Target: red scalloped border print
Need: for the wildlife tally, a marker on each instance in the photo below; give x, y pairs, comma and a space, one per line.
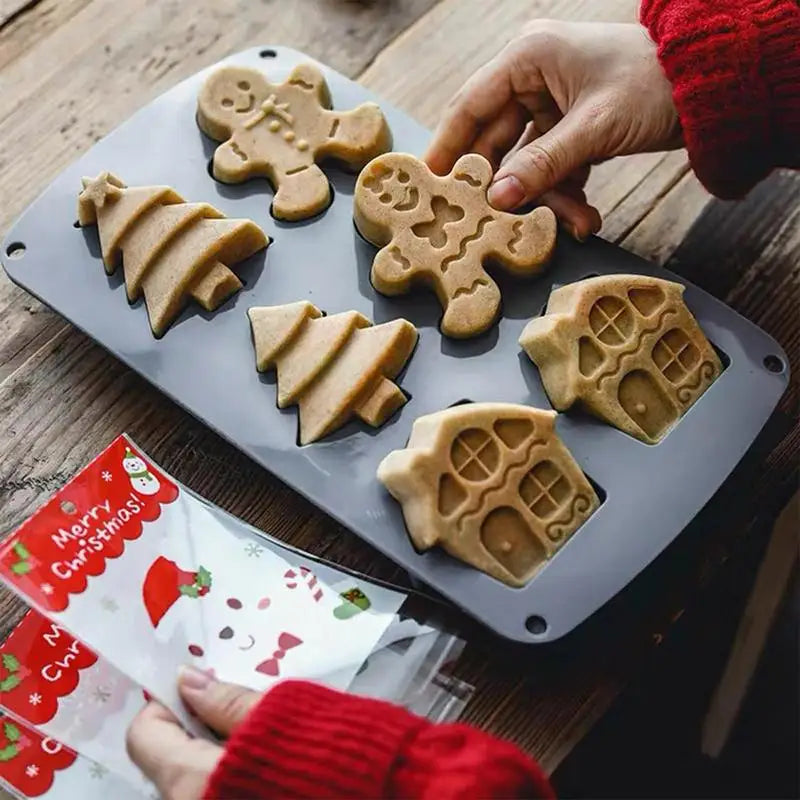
39, 664
52, 555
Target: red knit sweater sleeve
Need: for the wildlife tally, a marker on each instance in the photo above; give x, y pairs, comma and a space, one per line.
306, 741
734, 66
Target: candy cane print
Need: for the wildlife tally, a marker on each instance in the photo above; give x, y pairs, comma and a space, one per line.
294, 576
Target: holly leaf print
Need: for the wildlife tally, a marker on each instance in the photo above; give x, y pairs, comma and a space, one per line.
203, 576
8, 752
21, 568
21, 550
189, 591
9, 682
11, 731
10, 662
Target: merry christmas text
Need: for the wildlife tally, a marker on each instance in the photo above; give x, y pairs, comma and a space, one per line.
91, 537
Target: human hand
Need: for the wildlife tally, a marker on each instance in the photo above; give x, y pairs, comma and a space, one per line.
178, 765
558, 98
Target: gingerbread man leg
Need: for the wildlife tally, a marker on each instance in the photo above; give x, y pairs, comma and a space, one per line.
301, 194
472, 309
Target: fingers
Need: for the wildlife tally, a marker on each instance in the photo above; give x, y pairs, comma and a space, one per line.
178, 765
541, 164
480, 101
498, 137
576, 216
220, 705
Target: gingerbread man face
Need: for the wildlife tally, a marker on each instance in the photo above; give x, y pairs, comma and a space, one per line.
280, 131
443, 232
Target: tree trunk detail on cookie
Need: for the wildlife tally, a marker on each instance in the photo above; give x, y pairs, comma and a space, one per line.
333, 367
170, 250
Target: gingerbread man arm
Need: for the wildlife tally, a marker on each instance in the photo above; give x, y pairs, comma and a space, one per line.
355, 137
232, 164
524, 243
309, 78
473, 170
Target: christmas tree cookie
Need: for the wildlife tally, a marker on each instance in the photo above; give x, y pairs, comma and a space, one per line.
332, 367
170, 250
441, 232
492, 484
626, 348
281, 130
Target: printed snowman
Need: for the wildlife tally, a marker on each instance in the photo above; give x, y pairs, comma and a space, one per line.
142, 480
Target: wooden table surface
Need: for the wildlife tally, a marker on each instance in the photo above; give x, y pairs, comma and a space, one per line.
72, 70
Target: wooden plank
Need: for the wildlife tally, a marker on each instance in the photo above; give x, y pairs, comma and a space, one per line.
109, 58
69, 399
33, 22
751, 636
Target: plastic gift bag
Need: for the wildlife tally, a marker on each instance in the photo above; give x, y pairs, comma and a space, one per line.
148, 576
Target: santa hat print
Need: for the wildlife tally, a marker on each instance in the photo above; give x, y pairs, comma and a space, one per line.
165, 582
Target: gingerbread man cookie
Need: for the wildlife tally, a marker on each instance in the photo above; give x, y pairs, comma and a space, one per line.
280, 130
442, 231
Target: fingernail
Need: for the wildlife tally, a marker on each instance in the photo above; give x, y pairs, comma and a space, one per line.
508, 192
573, 231
192, 678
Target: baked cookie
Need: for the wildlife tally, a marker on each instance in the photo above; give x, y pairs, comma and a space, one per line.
627, 348
280, 130
171, 250
442, 231
332, 367
492, 484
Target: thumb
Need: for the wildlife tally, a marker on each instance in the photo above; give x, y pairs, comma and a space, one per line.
542, 163
220, 705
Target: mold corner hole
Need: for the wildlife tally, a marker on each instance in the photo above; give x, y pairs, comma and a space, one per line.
774, 364
16, 250
536, 625
268, 53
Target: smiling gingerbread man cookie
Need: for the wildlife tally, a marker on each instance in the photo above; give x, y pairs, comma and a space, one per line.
280, 130
441, 231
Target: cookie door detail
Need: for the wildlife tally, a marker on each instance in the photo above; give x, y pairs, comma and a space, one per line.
492, 484
626, 348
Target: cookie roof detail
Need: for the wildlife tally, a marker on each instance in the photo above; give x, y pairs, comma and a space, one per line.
492, 484
626, 348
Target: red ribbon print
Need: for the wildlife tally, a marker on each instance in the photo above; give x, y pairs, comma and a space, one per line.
286, 641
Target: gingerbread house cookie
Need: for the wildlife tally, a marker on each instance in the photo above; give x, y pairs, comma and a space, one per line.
627, 348
281, 130
492, 484
441, 231
171, 250
332, 368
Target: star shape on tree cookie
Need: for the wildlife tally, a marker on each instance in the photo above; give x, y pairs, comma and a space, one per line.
441, 231
280, 130
97, 190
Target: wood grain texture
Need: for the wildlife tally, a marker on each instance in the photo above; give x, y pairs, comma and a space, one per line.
109, 58
66, 398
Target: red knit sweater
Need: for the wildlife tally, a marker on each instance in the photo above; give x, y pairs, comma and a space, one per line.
734, 66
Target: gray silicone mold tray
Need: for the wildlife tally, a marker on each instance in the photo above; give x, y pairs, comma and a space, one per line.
206, 363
